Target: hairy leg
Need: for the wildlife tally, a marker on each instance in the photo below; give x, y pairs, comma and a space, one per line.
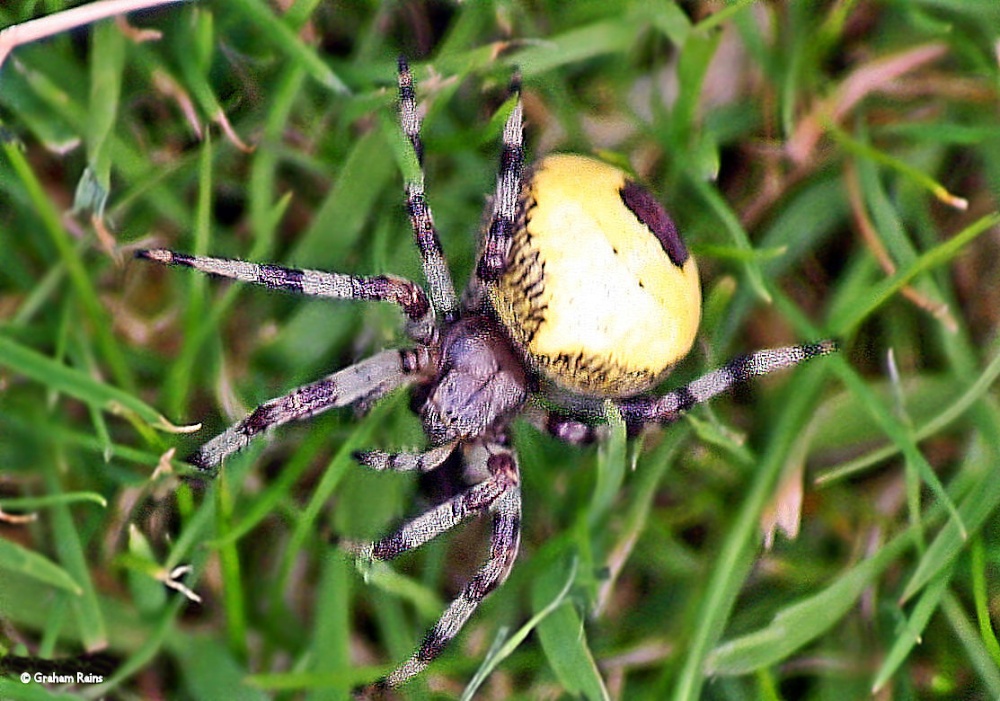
570, 427
496, 241
364, 381
405, 462
499, 494
669, 407
315, 283
580, 426
442, 289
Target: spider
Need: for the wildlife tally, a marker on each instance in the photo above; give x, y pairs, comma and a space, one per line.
583, 293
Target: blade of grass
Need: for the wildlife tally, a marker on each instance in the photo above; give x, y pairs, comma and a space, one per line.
75, 383
277, 31
916, 623
888, 288
947, 417
913, 174
210, 671
67, 541
802, 622
264, 217
977, 566
257, 508
893, 427
736, 557
505, 649
17, 558
975, 653
108, 51
737, 234
330, 646
234, 596
610, 467
83, 287
47, 500
975, 509
563, 637
590, 41
178, 387
307, 524
644, 487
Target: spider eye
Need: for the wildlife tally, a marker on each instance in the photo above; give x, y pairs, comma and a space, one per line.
650, 212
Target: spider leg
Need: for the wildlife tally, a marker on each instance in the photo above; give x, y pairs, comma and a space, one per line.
669, 407
496, 240
421, 218
315, 283
405, 462
568, 426
500, 494
367, 380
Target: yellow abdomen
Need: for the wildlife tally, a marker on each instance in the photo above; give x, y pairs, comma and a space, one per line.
600, 292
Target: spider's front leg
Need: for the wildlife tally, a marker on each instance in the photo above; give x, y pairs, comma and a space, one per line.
425, 234
365, 381
499, 494
498, 234
405, 294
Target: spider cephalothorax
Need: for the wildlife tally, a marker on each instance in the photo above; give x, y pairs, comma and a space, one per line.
583, 290
480, 382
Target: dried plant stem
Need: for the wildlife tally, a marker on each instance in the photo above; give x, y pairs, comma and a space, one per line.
51, 25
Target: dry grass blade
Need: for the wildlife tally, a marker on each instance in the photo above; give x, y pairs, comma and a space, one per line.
61, 22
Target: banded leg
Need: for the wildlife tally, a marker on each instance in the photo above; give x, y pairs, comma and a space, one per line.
315, 283
405, 462
496, 241
442, 288
364, 381
499, 494
669, 407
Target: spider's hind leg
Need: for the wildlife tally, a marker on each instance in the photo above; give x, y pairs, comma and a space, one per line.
499, 494
575, 428
638, 411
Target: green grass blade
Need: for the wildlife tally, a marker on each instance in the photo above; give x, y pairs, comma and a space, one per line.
888, 288
563, 638
75, 383
927, 605
78, 275
737, 234
972, 645
508, 645
282, 36
88, 612
805, 620
735, 558
978, 505
17, 558
979, 589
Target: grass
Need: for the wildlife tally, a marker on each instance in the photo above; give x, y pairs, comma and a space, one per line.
817, 157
